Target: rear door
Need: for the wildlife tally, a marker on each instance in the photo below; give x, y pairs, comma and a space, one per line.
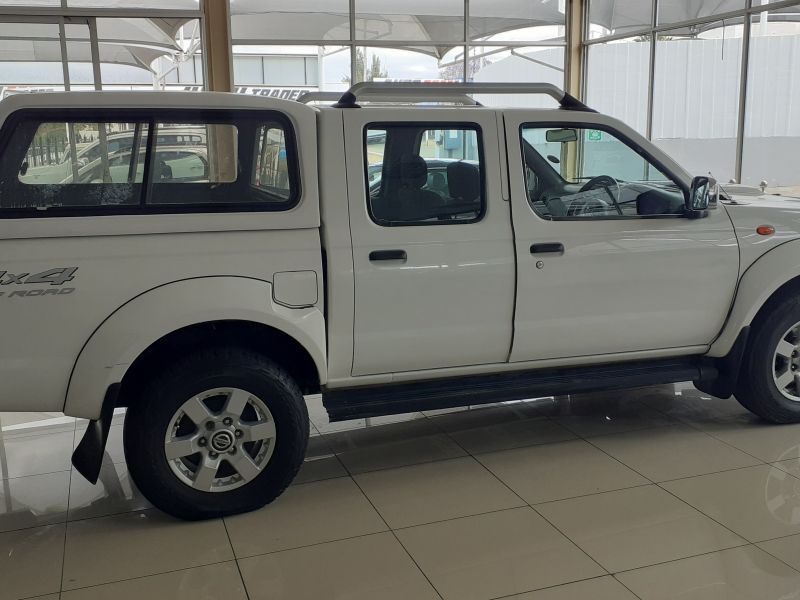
432, 241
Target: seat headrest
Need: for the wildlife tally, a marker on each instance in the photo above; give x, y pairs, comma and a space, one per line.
410, 170
464, 181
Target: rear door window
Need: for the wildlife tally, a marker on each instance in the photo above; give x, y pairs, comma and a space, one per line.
421, 175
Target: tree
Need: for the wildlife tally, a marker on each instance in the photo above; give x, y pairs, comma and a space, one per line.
362, 72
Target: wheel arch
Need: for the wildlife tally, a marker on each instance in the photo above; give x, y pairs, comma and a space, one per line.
180, 316
771, 276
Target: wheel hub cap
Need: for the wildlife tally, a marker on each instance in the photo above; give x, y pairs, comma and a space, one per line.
786, 364
220, 440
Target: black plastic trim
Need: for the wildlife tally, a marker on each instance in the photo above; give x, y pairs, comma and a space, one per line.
727, 367
88, 456
374, 401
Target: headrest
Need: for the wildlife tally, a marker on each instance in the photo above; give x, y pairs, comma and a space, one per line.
464, 181
410, 169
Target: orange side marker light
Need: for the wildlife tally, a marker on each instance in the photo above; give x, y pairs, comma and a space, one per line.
765, 230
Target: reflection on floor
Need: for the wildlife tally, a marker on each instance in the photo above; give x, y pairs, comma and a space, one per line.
652, 493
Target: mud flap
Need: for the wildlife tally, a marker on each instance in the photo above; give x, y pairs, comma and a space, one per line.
88, 456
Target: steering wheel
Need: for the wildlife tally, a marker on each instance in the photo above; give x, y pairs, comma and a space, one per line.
605, 182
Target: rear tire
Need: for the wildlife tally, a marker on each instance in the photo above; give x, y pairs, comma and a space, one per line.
220, 432
769, 378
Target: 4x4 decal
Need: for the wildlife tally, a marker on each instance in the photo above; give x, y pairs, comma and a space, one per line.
58, 276
53, 277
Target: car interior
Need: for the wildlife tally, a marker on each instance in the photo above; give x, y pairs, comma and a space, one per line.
597, 195
410, 188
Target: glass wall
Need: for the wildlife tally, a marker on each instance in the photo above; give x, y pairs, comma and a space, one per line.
673, 70
394, 40
68, 48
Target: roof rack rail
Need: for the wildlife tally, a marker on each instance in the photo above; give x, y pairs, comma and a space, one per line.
307, 97
446, 91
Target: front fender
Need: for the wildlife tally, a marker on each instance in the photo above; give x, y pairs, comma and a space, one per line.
143, 320
759, 282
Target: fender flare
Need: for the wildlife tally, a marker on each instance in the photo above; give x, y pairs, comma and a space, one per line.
758, 284
148, 317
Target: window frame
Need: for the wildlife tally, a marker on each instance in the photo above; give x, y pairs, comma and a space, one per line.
426, 126
251, 118
622, 137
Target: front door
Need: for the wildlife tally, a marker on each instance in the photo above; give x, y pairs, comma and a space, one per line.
608, 263
433, 255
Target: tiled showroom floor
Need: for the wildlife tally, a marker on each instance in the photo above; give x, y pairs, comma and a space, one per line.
652, 493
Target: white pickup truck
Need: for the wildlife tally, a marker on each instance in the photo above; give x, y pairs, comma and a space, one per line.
212, 258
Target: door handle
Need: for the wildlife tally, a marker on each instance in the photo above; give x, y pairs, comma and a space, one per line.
388, 255
549, 248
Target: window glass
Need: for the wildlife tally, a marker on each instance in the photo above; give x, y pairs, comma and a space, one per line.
248, 161
195, 153
422, 176
270, 167
583, 172
617, 80
696, 97
79, 164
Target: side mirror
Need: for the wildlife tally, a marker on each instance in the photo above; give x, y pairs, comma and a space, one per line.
699, 196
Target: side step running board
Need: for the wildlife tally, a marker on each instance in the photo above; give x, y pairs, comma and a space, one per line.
389, 399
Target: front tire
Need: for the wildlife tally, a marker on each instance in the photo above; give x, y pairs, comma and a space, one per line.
221, 432
769, 378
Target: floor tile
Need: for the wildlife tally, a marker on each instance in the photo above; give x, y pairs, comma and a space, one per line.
36, 454
33, 500
790, 466
435, 491
497, 554
601, 414
787, 549
672, 452
113, 493
640, 526
737, 574
758, 503
699, 409
363, 568
306, 514
500, 428
395, 445
320, 468
30, 561
320, 463
600, 588
138, 544
219, 581
557, 471
767, 442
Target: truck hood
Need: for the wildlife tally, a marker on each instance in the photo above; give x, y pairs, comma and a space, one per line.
750, 207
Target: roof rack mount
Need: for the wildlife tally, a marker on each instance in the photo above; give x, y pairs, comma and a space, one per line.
392, 91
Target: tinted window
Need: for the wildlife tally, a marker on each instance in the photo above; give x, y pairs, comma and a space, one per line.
78, 164
581, 172
239, 161
271, 167
418, 175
